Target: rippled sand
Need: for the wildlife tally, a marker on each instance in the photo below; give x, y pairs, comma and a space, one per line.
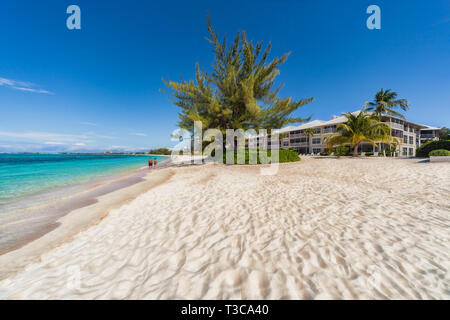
320, 228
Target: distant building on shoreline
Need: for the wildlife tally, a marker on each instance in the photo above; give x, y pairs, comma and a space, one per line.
411, 135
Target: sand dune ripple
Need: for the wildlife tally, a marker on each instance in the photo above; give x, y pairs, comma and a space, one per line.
319, 229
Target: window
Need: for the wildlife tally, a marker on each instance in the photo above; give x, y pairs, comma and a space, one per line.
316, 150
411, 151
405, 139
411, 140
405, 151
329, 129
317, 131
298, 140
285, 143
316, 140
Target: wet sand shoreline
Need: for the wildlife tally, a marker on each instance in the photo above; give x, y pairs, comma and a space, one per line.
21, 227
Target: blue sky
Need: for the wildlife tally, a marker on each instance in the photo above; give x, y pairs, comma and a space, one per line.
98, 88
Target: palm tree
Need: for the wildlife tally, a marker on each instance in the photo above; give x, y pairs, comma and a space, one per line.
385, 101
309, 132
363, 127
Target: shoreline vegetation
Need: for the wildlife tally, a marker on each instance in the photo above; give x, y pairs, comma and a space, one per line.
160, 151
284, 155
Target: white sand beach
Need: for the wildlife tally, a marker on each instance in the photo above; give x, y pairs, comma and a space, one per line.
319, 229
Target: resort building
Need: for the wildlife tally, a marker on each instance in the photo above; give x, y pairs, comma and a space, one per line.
429, 134
303, 141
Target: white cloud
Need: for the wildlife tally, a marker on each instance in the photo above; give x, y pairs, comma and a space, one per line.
100, 136
140, 134
22, 86
88, 123
54, 147
44, 136
54, 137
32, 90
53, 143
6, 82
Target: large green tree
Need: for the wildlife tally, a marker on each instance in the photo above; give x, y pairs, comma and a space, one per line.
239, 92
363, 127
385, 101
444, 134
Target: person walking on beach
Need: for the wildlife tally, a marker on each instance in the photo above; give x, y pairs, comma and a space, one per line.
150, 163
155, 163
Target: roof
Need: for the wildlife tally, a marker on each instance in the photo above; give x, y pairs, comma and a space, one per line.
311, 124
341, 119
318, 123
429, 127
338, 120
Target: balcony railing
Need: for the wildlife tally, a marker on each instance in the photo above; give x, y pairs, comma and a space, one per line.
397, 126
297, 135
299, 144
427, 135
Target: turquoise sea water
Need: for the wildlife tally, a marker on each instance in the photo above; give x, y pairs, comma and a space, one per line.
22, 175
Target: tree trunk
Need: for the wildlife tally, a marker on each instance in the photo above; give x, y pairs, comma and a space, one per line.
355, 150
309, 144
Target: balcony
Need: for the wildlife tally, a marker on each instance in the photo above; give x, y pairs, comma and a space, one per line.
427, 136
299, 144
297, 135
397, 126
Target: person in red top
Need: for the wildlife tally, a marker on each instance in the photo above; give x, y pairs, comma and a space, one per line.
155, 163
150, 163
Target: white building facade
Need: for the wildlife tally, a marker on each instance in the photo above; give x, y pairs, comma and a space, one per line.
410, 135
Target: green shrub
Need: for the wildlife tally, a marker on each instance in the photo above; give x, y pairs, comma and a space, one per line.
288, 156
439, 153
369, 154
342, 151
284, 156
426, 148
163, 151
390, 152
327, 153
